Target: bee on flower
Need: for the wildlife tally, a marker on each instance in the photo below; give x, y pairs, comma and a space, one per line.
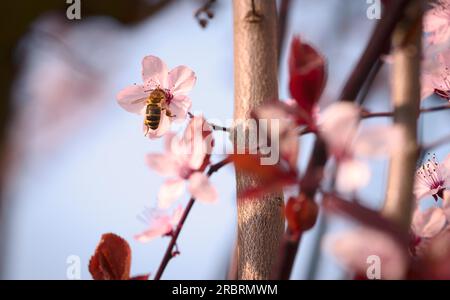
162, 98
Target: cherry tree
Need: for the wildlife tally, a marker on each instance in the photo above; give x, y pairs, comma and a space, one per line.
276, 201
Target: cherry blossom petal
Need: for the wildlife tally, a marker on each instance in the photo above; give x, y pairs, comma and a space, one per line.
446, 163
284, 129
181, 80
163, 128
352, 174
159, 227
290, 147
169, 139
201, 188
428, 223
179, 107
154, 72
437, 22
446, 205
197, 153
427, 85
421, 190
163, 164
353, 248
169, 192
133, 99
432, 22
338, 124
378, 141
198, 139
286, 112
431, 178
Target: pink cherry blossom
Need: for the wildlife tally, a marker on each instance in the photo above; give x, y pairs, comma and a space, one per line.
160, 225
184, 160
353, 248
435, 78
437, 22
338, 126
436, 63
430, 222
175, 83
432, 178
285, 113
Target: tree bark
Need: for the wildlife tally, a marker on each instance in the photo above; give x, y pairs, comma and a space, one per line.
260, 220
407, 46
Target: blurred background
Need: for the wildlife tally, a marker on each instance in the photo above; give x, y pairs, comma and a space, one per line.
72, 161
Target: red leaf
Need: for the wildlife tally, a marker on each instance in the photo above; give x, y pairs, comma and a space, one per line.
271, 177
307, 70
112, 259
251, 164
301, 213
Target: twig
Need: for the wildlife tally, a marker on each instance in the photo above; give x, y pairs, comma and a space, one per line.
367, 115
370, 80
374, 49
169, 254
213, 126
204, 13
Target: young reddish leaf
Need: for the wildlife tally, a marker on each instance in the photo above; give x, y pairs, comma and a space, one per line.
301, 213
271, 177
112, 259
251, 164
307, 72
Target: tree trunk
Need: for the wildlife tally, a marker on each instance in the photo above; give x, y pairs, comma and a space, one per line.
406, 100
260, 220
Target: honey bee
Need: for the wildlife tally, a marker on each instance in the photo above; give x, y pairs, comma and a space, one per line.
156, 103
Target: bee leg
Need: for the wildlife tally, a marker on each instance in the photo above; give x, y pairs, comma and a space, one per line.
169, 114
147, 129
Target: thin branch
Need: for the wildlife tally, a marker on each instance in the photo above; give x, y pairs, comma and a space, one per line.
370, 80
367, 115
213, 126
375, 47
205, 13
169, 254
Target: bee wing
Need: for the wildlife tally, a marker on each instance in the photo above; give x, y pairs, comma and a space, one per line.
139, 100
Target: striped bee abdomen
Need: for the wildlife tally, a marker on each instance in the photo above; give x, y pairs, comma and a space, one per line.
155, 104
153, 116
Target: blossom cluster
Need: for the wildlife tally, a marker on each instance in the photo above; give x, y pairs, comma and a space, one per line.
348, 145
185, 157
